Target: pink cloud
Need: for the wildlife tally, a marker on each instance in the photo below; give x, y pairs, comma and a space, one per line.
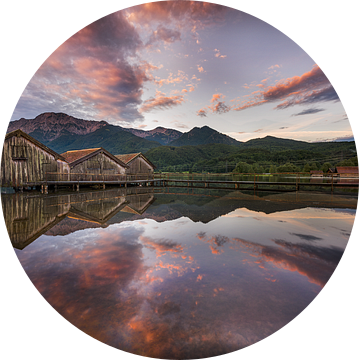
216, 107
161, 102
193, 14
311, 87
180, 77
90, 74
164, 34
202, 113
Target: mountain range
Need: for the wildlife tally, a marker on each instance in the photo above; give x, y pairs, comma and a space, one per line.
200, 149
63, 132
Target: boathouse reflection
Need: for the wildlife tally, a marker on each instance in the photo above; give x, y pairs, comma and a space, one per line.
27, 217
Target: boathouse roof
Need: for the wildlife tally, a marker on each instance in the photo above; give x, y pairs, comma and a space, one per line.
127, 158
74, 157
316, 172
347, 169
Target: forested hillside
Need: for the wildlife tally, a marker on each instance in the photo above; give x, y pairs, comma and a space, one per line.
257, 155
112, 138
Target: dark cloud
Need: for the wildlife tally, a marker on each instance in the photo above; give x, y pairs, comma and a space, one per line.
90, 76
308, 111
283, 127
220, 108
217, 106
327, 254
161, 102
220, 240
344, 138
161, 246
107, 39
315, 262
202, 113
306, 237
315, 96
164, 34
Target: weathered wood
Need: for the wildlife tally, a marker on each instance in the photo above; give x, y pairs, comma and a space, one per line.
25, 160
98, 168
138, 165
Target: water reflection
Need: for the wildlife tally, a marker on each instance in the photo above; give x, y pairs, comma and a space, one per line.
179, 276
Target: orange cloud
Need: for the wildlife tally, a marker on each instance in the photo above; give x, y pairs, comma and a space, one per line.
181, 76
274, 67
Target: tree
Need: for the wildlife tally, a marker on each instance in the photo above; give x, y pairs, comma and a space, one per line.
326, 166
288, 167
243, 167
310, 166
258, 169
349, 162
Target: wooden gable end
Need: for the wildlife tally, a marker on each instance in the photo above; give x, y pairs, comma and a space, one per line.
24, 162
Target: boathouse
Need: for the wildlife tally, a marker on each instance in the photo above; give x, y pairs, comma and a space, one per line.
316, 173
26, 162
138, 164
94, 165
347, 171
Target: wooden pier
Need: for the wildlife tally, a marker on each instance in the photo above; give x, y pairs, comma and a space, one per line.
253, 185
54, 180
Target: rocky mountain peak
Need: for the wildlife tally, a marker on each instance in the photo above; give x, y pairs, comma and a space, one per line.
50, 125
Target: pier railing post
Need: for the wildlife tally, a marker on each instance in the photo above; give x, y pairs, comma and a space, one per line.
297, 182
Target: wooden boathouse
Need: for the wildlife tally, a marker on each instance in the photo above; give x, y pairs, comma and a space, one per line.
138, 164
25, 161
347, 171
94, 165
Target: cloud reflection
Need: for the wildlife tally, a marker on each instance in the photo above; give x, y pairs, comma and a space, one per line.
157, 291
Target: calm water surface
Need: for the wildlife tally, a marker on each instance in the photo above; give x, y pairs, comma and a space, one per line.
171, 275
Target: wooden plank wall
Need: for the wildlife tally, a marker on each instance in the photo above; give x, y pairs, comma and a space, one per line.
97, 165
23, 162
139, 166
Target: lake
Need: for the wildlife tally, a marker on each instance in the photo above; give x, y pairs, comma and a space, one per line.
179, 273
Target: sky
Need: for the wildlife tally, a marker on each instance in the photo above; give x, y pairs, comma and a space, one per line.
181, 64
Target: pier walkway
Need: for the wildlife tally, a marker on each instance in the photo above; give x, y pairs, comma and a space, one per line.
202, 181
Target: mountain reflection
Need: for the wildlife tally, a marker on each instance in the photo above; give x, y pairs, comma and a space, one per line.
178, 276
